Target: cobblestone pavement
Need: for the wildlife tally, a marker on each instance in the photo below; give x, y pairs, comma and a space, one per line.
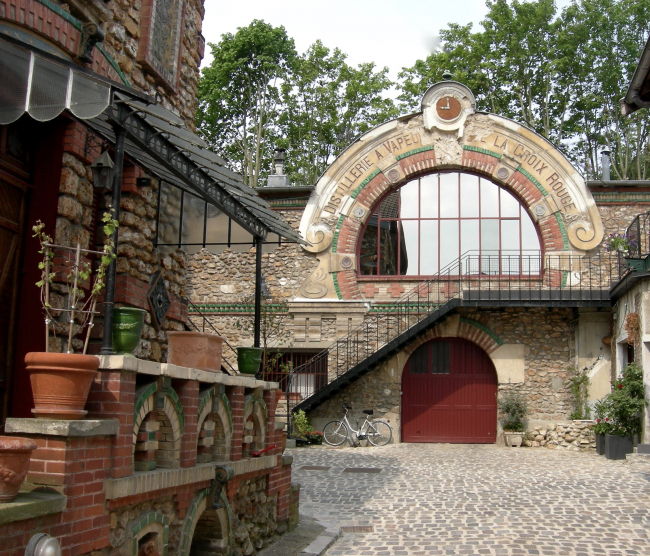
476, 499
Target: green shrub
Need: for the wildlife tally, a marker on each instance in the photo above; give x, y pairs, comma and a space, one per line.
513, 408
301, 424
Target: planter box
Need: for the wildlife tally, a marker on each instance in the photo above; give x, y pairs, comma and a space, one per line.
197, 350
600, 444
513, 439
617, 447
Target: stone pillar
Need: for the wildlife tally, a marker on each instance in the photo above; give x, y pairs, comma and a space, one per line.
73, 457
188, 394
236, 398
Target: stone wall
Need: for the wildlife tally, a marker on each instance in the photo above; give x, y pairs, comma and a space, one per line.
548, 336
253, 517
229, 276
78, 212
577, 436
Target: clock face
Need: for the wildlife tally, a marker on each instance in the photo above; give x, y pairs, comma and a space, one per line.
448, 108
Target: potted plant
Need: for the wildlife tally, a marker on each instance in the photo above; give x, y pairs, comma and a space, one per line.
627, 401
627, 246
127, 329
603, 425
15, 454
301, 428
197, 350
315, 438
273, 335
61, 381
513, 408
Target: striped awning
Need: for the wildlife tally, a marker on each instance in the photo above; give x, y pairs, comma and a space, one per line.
42, 87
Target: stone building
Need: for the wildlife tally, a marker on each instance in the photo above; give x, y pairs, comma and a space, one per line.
453, 255
163, 462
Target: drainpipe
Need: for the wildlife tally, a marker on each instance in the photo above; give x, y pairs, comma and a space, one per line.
258, 292
107, 343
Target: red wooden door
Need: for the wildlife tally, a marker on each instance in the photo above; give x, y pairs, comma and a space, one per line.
449, 389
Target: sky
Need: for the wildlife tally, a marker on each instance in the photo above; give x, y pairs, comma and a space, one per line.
390, 33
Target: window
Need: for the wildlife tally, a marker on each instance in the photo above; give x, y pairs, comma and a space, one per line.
188, 222
431, 358
429, 223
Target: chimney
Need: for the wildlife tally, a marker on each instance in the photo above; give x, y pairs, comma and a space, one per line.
278, 179
605, 164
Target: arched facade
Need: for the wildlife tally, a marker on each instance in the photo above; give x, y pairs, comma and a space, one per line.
513, 157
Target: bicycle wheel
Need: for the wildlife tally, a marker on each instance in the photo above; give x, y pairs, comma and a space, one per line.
335, 433
379, 433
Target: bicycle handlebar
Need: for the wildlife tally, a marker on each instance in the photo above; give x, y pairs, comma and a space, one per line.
346, 407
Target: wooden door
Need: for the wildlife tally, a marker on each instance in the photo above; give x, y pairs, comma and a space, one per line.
13, 194
449, 389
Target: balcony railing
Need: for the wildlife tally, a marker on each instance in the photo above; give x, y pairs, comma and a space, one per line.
639, 232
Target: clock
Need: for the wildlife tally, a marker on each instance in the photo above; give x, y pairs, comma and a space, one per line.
448, 108
446, 105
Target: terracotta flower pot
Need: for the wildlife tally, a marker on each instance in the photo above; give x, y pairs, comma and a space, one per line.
60, 383
197, 350
14, 462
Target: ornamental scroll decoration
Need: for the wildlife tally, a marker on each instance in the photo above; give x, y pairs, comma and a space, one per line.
160, 42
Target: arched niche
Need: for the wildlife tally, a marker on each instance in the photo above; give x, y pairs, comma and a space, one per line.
158, 424
214, 426
255, 423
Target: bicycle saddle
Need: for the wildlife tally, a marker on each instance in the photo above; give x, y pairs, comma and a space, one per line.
368, 411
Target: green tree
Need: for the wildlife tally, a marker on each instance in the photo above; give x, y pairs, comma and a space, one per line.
326, 104
562, 75
239, 95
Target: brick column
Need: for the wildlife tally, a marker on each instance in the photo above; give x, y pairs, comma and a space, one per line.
236, 398
279, 482
272, 436
112, 396
75, 457
188, 395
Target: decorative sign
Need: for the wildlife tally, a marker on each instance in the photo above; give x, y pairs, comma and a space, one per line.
158, 299
160, 43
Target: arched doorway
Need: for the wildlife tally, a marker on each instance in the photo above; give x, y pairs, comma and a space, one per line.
449, 388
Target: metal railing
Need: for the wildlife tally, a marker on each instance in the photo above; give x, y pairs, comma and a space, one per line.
228, 353
639, 234
472, 279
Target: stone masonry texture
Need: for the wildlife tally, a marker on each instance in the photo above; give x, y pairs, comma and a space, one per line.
444, 499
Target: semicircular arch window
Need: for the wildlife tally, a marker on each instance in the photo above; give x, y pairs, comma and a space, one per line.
431, 223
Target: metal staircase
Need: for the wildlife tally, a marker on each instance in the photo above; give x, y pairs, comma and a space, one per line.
474, 280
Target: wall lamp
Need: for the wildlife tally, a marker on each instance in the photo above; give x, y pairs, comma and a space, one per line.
42, 544
102, 170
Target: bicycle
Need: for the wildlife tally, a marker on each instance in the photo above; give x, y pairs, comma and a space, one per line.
377, 432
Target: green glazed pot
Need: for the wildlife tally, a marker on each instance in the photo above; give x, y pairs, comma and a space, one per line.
127, 327
249, 359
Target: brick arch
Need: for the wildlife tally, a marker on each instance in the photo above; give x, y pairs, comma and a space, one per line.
467, 329
349, 230
206, 529
255, 413
214, 426
508, 154
158, 425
